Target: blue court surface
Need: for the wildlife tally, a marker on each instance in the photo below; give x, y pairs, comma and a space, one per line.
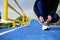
31, 32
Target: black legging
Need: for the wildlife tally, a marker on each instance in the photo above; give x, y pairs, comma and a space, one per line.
41, 11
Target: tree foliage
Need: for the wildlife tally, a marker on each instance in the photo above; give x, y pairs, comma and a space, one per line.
6, 25
59, 1
20, 18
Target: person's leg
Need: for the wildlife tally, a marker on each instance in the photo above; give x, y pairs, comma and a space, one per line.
40, 8
42, 11
42, 14
36, 12
39, 11
55, 18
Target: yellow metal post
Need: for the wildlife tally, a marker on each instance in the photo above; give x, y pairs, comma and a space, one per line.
22, 17
10, 6
6, 9
21, 24
26, 21
28, 18
13, 24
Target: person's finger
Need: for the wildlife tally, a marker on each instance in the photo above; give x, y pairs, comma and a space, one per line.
49, 18
41, 19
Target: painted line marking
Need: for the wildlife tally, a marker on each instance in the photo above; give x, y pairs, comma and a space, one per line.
13, 29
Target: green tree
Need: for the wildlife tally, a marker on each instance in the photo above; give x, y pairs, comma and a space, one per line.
2, 25
59, 1
8, 25
0, 17
20, 18
5, 25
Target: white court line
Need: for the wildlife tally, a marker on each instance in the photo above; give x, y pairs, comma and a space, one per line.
9, 31
13, 29
40, 22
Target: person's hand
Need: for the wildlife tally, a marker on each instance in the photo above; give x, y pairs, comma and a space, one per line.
41, 19
49, 18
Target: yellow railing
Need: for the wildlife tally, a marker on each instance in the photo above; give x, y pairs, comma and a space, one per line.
6, 5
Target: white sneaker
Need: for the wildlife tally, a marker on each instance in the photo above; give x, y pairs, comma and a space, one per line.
45, 27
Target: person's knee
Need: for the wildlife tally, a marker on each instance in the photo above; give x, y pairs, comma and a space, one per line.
55, 18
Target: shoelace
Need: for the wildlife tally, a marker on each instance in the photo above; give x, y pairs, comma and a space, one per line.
46, 23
